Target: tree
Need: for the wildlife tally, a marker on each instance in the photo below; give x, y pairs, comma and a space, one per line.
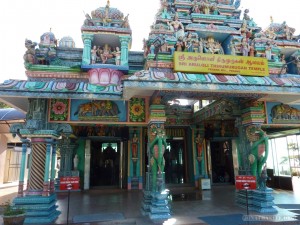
4, 106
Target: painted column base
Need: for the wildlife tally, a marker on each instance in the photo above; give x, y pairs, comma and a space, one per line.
145, 209
258, 200
39, 209
159, 209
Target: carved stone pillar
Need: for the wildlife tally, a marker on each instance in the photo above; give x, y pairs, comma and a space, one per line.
37, 169
155, 195
23, 167
124, 49
53, 165
38, 198
86, 55
66, 147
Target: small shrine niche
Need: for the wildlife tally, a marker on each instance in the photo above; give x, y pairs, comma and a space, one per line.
107, 38
106, 49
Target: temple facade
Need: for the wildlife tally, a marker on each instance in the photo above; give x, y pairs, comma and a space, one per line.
193, 108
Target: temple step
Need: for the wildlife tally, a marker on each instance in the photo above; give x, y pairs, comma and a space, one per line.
39, 209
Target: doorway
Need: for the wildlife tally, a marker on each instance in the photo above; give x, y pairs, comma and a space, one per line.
221, 162
175, 162
105, 164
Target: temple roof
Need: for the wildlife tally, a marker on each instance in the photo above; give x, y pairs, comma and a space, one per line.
285, 88
59, 89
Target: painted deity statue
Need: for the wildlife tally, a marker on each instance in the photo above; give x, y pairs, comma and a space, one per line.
199, 143
259, 154
94, 54
117, 54
177, 27
134, 146
157, 150
106, 54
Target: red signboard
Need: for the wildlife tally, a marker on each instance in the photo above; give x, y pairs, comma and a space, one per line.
69, 183
244, 182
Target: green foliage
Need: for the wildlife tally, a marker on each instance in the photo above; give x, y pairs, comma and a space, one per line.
3, 106
9, 210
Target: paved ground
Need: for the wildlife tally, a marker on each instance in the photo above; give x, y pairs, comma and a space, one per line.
187, 205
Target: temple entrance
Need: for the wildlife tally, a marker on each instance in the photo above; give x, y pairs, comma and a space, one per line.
221, 162
105, 164
175, 162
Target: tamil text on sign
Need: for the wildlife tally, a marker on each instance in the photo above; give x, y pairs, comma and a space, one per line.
244, 182
220, 64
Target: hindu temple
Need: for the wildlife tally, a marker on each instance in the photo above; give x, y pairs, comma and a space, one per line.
202, 103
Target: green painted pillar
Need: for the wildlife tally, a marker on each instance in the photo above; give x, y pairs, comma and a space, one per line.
87, 42
23, 167
124, 49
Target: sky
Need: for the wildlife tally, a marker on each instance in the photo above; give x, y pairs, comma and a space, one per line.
21, 19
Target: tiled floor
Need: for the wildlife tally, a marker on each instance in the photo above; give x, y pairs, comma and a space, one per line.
185, 209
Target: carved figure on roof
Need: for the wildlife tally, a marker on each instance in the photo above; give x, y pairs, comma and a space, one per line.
177, 27
289, 32
164, 45
270, 33
215, 9
212, 47
145, 48
179, 46
125, 23
247, 33
188, 42
117, 54
232, 48
244, 47
246, 16
237, 4
88, 20
268, 50
106, 54
94, 54
164, 10
201, 45
196, 7
106, 19
29, 56
206, 7
252, 49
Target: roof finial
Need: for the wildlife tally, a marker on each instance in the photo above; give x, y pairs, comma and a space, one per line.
50, 29
271, 18
108, 3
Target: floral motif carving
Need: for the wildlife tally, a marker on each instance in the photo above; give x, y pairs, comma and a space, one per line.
137, 110
59, 109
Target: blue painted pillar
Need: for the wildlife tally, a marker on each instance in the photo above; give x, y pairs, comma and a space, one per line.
87, 42
124, 49
47, 167
23, 167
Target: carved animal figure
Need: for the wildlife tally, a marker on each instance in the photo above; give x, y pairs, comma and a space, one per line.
283, 111
29, 56
84, 109
98, 108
